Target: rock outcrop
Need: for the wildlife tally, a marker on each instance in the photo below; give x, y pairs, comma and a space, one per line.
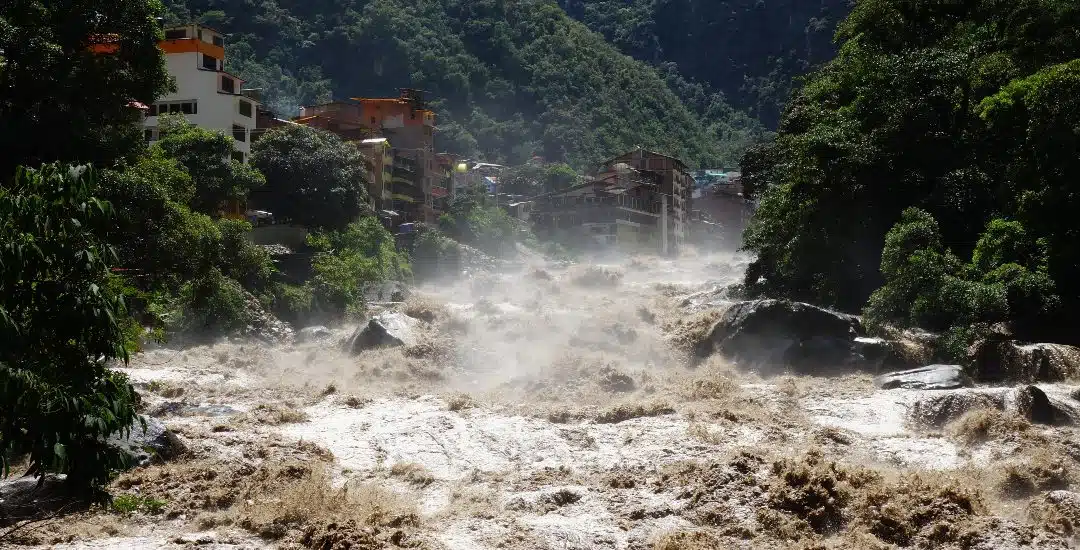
1029, 402
933, 377
1000, 360
390, 329
767, 334
145, 445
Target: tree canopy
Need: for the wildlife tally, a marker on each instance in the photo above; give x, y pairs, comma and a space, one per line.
509, 79
207, 157
61, 101
312, 177
968, 111
60, 327
746, 53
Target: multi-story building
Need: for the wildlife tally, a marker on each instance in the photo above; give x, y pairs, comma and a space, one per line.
379, 159
676, 187
409, 126
720, 209
206, 94
620, 207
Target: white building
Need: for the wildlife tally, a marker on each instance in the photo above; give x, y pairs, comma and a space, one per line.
206, 95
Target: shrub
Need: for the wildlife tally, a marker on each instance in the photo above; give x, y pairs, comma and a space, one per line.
926, 286
345, 265
212, 303
60, 326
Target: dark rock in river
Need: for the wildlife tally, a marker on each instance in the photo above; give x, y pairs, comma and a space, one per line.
146, 445
882, 355
937, 409
30, 496
313, 334
942, 407
997, 360
933, 377
391, 329
780, 333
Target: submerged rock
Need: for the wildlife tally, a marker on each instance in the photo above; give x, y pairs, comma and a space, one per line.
787, 334
997, 360
313, 334
144, 445
391, 329
30, 496
933, 377
388, 291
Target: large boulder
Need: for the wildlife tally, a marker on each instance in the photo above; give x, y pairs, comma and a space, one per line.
936, 409
780, 333
999, 360
31, 496
148, 444
390, 329
933, 377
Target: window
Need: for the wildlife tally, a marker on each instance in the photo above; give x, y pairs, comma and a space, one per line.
245, 108
148, 135
174, 107
187, 107
239, 133
200, 34
210, 62
175, 34
238, 156
219, 41
228, 85
373, 120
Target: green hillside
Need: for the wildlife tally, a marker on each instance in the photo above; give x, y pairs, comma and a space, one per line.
747, 50
509, 78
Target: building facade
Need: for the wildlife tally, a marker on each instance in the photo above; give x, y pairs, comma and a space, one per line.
206, 94
674, 182
408, 126
379, 159
619, 208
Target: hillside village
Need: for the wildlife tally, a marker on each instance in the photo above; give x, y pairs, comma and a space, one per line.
639, 201
479, 274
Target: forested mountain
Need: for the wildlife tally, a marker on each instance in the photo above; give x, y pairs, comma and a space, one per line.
748, 50
509, 78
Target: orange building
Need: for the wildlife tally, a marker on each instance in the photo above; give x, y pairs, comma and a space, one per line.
408, 125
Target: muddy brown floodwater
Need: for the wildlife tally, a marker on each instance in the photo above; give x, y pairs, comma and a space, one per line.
556, 407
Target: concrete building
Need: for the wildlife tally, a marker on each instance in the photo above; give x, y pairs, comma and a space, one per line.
408, 125
379, 159
675, 190
721, 212
619, 208
206, 94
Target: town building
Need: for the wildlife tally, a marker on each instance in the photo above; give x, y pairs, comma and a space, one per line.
721, 212
408, 125
620, 207
379, 160
675, 190
206, 94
